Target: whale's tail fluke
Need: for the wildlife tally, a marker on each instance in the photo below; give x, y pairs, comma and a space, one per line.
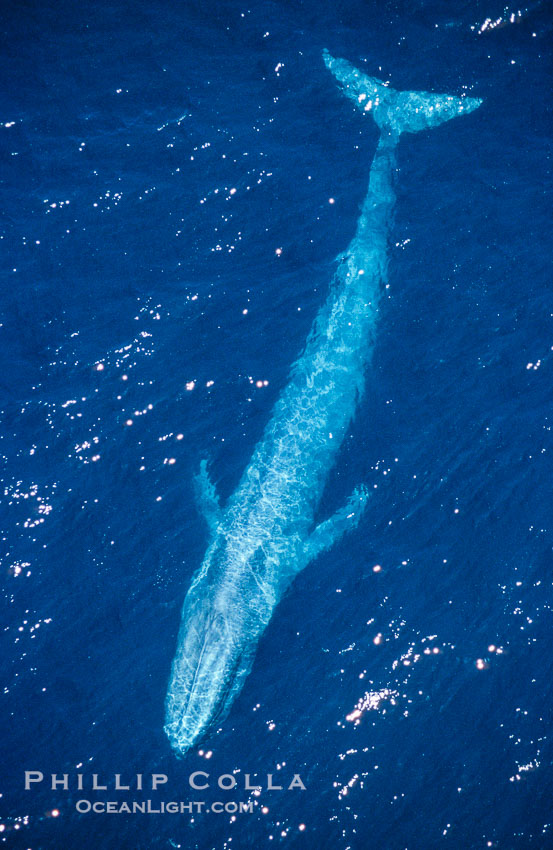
397, 111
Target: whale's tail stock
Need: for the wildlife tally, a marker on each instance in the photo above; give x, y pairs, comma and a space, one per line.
397, 111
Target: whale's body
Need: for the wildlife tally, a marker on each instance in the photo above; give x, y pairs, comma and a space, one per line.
265, 534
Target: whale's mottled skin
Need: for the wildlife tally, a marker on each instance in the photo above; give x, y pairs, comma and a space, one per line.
265, 533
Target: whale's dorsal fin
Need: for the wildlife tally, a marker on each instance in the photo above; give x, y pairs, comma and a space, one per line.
397, 111
346, 518
207, 497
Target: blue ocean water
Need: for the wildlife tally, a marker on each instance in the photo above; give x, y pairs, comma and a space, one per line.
166, 217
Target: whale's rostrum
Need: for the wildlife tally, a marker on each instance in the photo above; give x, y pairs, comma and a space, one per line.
264, 535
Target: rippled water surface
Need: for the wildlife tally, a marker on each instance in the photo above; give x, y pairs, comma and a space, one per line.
167, 240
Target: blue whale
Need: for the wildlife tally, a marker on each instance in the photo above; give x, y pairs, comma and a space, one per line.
266, 533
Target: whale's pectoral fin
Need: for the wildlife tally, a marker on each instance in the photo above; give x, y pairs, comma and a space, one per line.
345, 519
206, 497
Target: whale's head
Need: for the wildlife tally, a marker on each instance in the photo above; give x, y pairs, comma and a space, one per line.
216, 644
207, 674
